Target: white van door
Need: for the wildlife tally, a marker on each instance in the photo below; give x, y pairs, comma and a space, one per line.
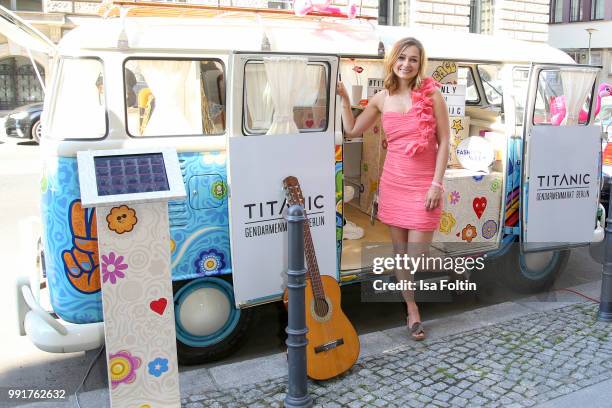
281, 125
561, 158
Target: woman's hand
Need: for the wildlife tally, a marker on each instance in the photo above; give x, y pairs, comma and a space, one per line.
341, 91
432, 200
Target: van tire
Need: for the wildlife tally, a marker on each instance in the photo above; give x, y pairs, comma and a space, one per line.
532, 272
220, 346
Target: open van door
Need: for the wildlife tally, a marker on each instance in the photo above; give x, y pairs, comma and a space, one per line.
281, 125
25, 35
561, 158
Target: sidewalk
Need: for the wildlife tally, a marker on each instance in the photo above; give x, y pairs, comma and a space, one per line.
544, 351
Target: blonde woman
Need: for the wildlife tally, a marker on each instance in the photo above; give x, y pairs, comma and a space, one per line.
415, 121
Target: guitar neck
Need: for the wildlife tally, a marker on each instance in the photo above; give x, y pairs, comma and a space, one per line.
311, 262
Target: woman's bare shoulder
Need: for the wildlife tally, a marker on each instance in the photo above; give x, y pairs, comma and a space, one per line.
378, 100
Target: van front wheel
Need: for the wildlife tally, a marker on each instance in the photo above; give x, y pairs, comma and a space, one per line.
533, 272
208, 326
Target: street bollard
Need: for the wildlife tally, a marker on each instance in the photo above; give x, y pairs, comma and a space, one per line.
605, 302
297, 387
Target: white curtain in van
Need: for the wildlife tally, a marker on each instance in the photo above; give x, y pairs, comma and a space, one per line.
194, 98
167, 81
311, 87
577, 85
286, 76
258, 99
80, 108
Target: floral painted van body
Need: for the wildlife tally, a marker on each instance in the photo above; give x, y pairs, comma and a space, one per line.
247, 102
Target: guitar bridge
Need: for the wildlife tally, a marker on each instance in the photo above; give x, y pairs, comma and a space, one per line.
329, 345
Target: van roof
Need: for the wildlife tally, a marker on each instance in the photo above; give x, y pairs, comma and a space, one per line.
245, 32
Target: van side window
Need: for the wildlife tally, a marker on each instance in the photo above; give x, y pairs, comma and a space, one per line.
562, 94
310, 105
174, 97
79, 108
490, 75
466, 77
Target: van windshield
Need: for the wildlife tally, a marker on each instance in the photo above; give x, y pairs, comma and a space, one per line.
79, 108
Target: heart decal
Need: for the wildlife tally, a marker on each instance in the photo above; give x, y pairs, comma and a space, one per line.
479, 204
309, 123
159, 305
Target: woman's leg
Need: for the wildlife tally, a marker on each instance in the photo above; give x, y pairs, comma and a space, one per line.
418, 244
399, 238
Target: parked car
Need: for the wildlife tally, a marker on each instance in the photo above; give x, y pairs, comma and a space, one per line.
24, 122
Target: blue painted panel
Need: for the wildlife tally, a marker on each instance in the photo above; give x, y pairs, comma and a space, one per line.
199, 236
206, 191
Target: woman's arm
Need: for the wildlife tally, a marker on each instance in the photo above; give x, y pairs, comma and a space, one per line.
443, 133
365, 120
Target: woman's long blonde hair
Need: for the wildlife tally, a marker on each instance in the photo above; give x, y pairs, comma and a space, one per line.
391, 81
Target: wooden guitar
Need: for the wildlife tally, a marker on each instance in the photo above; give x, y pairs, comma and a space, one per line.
333, 344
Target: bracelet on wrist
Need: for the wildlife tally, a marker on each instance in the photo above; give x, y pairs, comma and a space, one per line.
436, 184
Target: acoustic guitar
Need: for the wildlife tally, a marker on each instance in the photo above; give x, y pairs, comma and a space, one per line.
333, 344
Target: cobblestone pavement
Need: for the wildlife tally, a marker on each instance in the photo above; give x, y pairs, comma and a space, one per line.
518, 363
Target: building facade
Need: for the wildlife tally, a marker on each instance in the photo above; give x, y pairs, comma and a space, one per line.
583, 29
19, 84
519, 19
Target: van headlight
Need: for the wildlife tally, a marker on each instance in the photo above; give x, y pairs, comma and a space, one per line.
20, 115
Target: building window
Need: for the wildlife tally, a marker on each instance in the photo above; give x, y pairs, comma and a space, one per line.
22, 5
597, 9
556, 11
401, 12
481, 16
575, 10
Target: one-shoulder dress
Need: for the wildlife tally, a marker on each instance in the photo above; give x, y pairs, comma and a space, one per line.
410, 163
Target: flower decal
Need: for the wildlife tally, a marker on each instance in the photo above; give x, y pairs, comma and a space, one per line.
121, 219
454, 197
210, 262
113, 268
219, 190
375, 129
495, 185
447, 222
158, 366
489, 229
365, 166
468, 233
122, 367
44, 184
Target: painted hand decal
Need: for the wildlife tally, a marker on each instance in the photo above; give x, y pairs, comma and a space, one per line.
81, 263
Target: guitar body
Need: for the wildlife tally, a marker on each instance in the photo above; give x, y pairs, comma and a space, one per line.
331, 329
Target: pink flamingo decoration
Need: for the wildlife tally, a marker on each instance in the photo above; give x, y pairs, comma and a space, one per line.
558, 110
303, 7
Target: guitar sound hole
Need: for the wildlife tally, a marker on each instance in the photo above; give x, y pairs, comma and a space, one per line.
321, 307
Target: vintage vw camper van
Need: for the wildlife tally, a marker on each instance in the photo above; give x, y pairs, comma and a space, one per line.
248, 99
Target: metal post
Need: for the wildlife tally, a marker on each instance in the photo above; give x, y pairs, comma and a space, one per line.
605, 302
297, 387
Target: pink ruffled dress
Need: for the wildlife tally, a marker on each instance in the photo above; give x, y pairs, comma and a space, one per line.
410, 163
